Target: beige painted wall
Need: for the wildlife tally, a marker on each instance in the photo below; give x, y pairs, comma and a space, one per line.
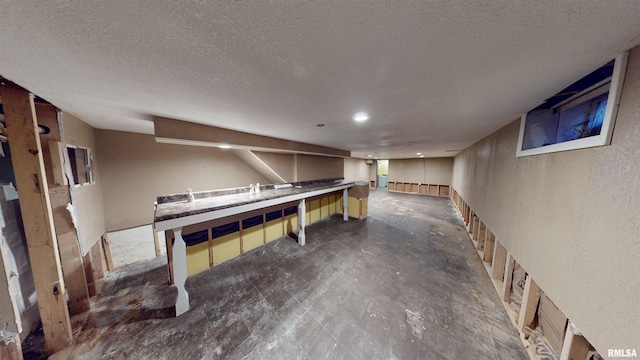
425, 171
87, 199
311, 167
280, 163
570, 219
356, 169
136, 169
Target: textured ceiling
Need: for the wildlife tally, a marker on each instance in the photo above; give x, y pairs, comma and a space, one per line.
433, 75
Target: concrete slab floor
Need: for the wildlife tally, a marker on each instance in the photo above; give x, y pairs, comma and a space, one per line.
405, 283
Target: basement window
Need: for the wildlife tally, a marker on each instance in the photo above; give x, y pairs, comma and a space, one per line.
80, 163
580, 116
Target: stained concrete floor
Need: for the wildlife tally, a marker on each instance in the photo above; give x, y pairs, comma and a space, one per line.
406, 283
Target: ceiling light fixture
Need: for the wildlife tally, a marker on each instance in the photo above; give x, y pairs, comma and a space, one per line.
421, 155
369, 155
224, 146
418, 153
361, 116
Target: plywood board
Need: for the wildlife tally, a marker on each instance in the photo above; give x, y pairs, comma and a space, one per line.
324, 207
273, 230
73, 273
197, 258
225, 247
313, 207
290, 223
252, 238
333, 203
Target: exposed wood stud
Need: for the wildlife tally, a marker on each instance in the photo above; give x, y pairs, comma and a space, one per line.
508, 278
107, 252
499, 259
575, 346
35, 204
530, 298
489, 244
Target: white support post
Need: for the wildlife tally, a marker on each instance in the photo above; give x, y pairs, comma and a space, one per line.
345, 202
302, 219
180, 271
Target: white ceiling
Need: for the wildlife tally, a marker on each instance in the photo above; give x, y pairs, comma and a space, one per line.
434, 76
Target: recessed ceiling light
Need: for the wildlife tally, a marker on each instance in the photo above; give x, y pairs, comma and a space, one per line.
361, 116
369, 155
421, 155
224, 146
418, 153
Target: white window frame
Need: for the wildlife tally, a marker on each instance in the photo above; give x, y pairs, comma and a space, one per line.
604, 138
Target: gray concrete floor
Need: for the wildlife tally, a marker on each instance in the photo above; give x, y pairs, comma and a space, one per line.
405, 283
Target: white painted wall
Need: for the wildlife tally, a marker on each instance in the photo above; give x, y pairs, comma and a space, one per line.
133, 245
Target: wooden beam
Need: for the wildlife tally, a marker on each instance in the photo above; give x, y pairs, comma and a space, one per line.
530, 299
499, 259
156, 241
106, 245
575, 346
35, 204
508, 278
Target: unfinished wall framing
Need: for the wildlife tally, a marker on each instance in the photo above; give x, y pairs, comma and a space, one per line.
419, 188
545, 331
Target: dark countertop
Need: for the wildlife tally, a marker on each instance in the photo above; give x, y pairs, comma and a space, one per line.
176, 206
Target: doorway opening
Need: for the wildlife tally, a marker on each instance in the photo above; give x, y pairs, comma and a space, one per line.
382, 171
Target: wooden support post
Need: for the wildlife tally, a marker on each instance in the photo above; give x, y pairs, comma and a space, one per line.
530, 298
106, 245
508, 278
35, 204
499, 259
156, 241
575, 346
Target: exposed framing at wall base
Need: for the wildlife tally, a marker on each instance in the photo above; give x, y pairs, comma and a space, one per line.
419, 188
500, 265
